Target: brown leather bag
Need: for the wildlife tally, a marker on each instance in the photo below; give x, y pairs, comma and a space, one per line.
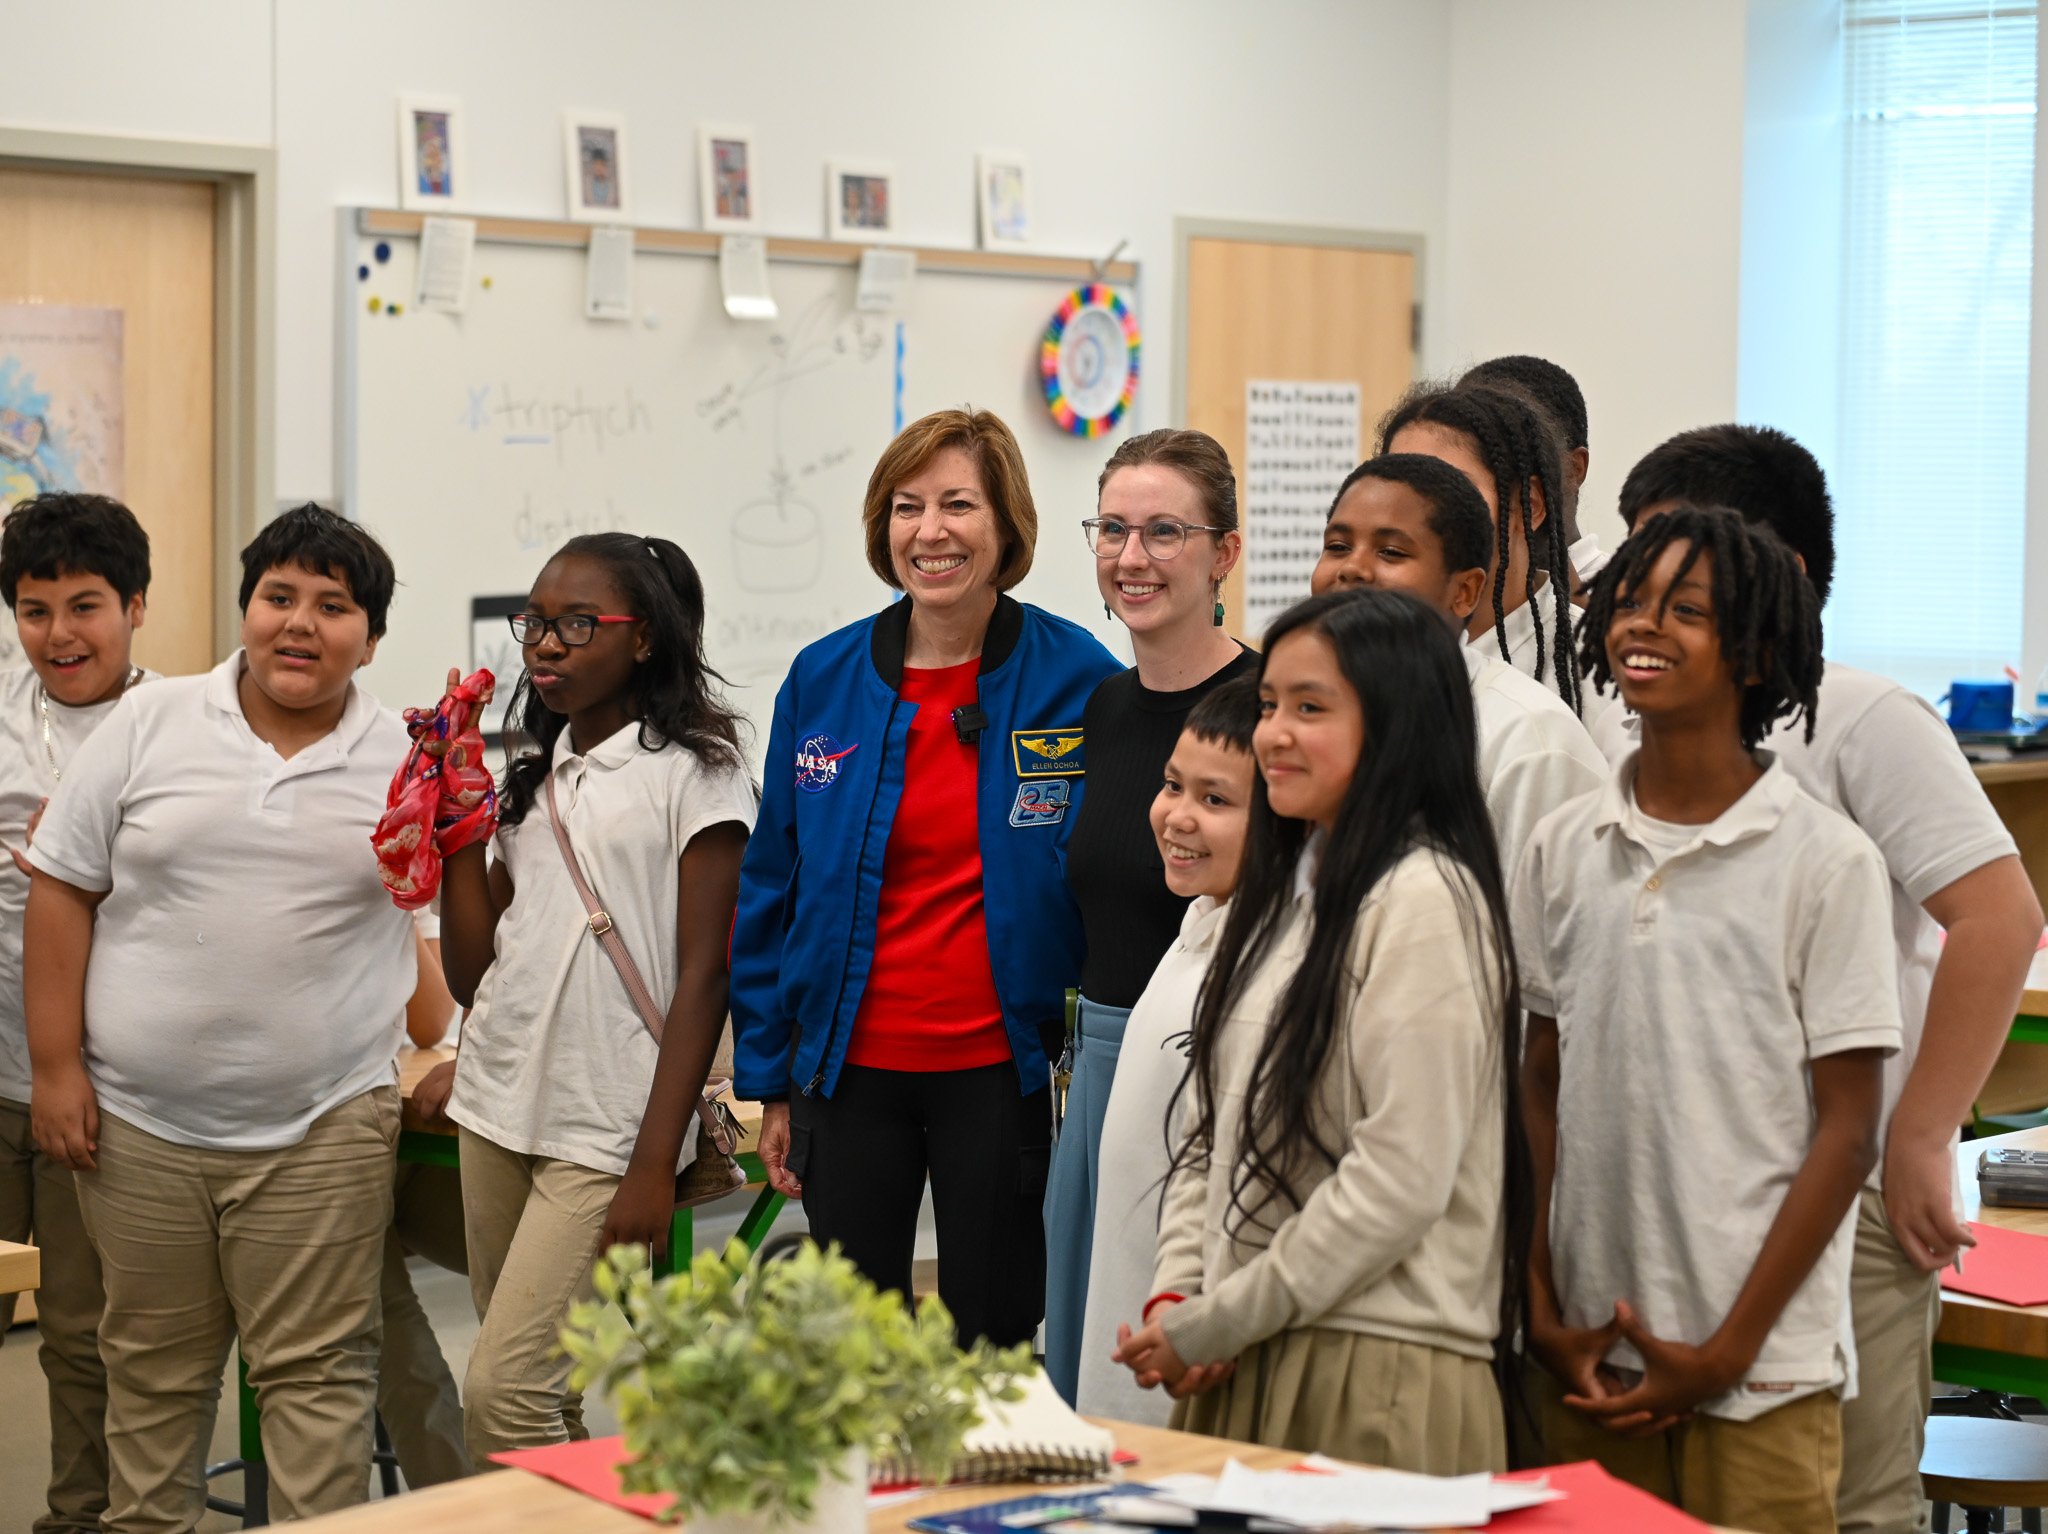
714, 1173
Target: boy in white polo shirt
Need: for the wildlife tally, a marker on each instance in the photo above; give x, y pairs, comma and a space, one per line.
1407, 522
215, 986
1705, 957
1965, 925
74, 569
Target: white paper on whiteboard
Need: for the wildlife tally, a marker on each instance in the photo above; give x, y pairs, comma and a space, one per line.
1300, 441
608, 279
743, 277
885, 278
447, 254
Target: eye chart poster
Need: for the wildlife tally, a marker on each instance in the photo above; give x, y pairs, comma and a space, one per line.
1300, 440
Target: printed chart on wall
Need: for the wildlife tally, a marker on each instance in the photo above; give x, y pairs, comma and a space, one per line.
1300, 440
60, 408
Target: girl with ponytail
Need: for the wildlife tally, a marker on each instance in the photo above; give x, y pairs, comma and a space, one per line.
572, 1111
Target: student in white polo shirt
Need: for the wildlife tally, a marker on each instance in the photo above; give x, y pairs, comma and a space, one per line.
216, 984
74, 569
1408, 522
1705, 958
1965, 924
572, 1117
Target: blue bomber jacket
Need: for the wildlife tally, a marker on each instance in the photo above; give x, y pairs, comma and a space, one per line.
810, 888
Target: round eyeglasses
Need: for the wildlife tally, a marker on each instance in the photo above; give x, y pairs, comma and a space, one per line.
1162, 540
573, 629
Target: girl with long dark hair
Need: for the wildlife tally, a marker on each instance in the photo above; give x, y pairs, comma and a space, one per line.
572, 1114
1346, 1220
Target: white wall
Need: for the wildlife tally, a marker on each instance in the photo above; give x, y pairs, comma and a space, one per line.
1310, 111
1594, 206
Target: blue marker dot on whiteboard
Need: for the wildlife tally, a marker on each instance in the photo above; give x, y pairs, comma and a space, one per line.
362, 274
383, 251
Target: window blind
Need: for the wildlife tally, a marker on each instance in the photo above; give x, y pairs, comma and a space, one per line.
1930, 483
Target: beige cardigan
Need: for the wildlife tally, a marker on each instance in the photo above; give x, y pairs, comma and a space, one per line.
1402, 1239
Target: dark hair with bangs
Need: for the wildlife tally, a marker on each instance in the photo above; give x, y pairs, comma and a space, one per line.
1765, 610
1227, 715
675, 693
70, 532
1416, 784
1758, 471
1458, 517
1520, 449
320, 542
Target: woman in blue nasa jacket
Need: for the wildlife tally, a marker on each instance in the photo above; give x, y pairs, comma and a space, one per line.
905, 937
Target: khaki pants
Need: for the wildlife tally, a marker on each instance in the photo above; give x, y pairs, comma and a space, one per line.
280, 1247
1775, 1474
415, 1392
1894, 1308
37, 1196
532, 1225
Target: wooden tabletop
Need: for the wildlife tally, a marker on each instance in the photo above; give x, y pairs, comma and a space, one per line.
488, 1504
413, 1064
1967, 1321
21, 1268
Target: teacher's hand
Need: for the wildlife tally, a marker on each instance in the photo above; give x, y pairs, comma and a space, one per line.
774, 1147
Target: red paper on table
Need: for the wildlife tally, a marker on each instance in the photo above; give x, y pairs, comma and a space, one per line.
1594, 1502
591, 1466
2009, 1266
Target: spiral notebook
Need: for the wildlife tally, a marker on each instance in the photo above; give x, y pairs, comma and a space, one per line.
1036, 1439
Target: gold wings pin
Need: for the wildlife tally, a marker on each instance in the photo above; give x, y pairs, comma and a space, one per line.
1051, 749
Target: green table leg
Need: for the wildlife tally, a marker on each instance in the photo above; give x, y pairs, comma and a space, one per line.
2029, 1030
1982, 1369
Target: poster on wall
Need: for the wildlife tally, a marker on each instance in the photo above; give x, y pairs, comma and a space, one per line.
61, 409
1300, 440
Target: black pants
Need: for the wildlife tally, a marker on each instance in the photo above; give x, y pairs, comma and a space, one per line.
863, 1155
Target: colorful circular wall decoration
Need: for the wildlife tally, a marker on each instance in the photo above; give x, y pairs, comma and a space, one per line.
1089, 361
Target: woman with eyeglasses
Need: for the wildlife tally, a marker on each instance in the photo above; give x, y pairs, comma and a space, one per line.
1164, 535
905, 935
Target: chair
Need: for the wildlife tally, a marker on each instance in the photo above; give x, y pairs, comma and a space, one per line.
1984, 1465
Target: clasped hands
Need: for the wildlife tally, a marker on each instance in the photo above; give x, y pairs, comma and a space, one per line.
1677, 1376
1151, 1357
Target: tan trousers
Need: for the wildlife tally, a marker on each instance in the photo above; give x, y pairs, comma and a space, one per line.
532, 1225
37, 1196
1775, 1474
280, 1247
1894, 1308
415, 1392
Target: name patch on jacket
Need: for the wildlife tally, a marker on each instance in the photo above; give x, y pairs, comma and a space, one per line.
1048, 753
1040, 802
818, 757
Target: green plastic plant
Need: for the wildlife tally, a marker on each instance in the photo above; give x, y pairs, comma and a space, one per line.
740, 1388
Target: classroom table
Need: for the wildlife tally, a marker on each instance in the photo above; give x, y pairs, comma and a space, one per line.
514, 1499
21, 1268
1981, 1343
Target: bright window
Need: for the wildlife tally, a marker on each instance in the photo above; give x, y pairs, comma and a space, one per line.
1930, 477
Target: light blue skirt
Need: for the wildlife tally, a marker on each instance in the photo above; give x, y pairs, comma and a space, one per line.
1070, 1190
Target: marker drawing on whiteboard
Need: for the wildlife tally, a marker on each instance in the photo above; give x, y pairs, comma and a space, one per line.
529, 441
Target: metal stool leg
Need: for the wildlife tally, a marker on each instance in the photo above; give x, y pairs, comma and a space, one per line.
254, 1508
384, 1457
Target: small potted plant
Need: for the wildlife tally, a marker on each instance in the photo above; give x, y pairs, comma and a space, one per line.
756, 1396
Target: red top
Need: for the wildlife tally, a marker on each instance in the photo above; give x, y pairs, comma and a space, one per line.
931, 1003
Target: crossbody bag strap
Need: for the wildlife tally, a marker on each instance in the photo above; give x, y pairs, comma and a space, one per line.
718, 1123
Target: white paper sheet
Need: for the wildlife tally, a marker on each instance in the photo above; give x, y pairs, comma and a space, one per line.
885, 279
743, 277
1300, 440
608, 277
447, 256
1324, 1494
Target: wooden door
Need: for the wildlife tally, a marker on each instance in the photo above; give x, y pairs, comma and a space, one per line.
145, 246
1298, 313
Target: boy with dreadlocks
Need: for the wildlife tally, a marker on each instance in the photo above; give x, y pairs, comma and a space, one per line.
1965, 924
1705, 953
1559, 396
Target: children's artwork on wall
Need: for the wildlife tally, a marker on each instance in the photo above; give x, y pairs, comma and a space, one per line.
431, 170
594, 144
725, 179
1005, 202
859, 201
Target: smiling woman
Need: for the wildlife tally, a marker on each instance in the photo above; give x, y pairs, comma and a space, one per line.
896, 1027
203, 890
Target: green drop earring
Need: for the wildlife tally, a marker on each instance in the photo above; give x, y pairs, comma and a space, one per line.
1219, 605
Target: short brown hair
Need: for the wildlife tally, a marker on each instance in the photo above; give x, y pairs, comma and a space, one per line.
984, 438
1197, 456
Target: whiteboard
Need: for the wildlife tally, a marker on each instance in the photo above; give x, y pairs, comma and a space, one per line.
476, 445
